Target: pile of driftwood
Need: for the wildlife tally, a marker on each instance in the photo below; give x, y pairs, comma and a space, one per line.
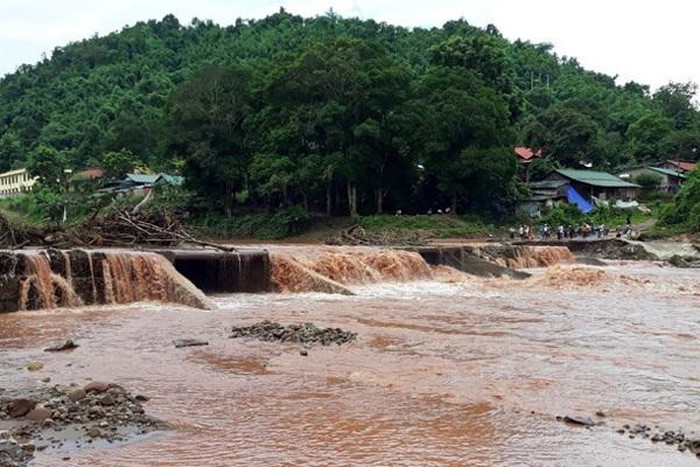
122, 228
357, 235
14, 235
126, 228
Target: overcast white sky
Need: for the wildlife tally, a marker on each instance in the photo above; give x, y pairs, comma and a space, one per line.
649, 41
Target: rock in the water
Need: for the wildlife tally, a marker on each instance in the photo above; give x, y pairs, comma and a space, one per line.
306, 333
96, 386
39, 414
11, 453
684, 261
61, 346
20, 407
35, 366
108, 400
579, 420
189, 342
77, 395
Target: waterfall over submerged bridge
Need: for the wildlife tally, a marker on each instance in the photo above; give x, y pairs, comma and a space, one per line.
35, 279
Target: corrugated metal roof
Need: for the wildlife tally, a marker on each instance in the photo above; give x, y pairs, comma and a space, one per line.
173, 179
669, 172
594, 178
685, 166
143, 179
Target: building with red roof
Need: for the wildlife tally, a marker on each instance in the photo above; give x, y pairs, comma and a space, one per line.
681, 166
526, 155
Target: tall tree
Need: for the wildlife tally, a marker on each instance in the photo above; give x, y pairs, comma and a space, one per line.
11, 150
337, 100
566, 135
207, 120
466, 123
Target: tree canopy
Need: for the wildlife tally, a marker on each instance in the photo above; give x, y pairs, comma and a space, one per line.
336, 115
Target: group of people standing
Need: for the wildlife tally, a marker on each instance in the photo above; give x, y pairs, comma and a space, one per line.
585, 230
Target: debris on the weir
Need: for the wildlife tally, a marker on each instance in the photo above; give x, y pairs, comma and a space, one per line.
306, 333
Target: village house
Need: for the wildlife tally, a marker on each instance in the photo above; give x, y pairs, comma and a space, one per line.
16, 182
593, 184
669, 179
681, 166
526, 155
582, 188
141, 183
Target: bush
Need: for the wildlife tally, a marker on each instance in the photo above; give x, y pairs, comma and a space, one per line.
441, 226
684, 212
648, 181
265, 226
565, 214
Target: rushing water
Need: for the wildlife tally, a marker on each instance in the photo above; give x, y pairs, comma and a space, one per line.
447, 370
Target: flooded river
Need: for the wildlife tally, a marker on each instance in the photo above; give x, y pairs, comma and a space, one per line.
448, 370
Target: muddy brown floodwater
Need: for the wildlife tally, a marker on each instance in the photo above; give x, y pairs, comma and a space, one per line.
445, 371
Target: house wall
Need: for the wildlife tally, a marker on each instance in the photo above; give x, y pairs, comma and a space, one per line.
16, 182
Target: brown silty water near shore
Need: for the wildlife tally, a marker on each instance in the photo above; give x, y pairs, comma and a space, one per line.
447, 369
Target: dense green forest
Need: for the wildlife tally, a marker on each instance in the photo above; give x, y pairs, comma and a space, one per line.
332, 115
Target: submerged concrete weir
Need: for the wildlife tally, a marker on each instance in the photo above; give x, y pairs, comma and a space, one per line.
35, 279
245, 270
466, 259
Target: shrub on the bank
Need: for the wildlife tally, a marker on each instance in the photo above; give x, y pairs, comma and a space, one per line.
266, 226
438, 225
684, 212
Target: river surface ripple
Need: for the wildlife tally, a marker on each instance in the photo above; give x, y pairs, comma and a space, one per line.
465, 373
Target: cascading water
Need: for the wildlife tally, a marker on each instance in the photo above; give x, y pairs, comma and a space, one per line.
333, 271
49, 279
536, 256
40, 287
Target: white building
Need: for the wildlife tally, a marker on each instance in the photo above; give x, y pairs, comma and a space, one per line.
16, 182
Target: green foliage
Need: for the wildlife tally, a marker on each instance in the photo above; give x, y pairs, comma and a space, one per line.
50, 166
40, 206
207, 116
648, 181
436, 226
11, 151
117, 164
266, 226
566, 135
468, 142
684, 212
330, 114
565, 214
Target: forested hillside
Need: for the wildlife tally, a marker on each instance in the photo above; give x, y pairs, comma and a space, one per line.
333, 115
